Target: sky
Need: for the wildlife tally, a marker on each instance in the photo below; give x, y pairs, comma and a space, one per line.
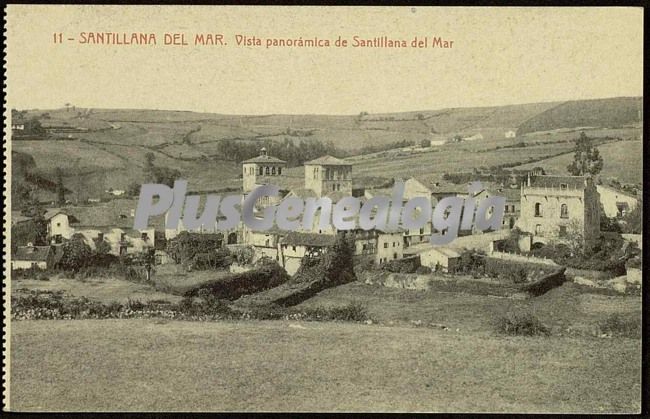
499, 56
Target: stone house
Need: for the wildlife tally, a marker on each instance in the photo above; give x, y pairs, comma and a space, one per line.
557, 208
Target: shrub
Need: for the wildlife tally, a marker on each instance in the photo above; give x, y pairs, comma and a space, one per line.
423, 270
546, 283
621, 326
217, 259
186, 245
351, 312
521, 323
234, 286
406, 265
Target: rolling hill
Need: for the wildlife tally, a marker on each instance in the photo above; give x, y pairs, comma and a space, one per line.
99, 149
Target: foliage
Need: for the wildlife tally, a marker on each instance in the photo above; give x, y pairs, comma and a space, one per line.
76, 254
621, 326
633, 220
234, 286
511, 243
354, 311
472, 262
157, 174
521, 323
218, 259
102, 247
609, 254
243, 255
587, 159
406, 265
39, 304
607, 223
546, 283
31, 231
30, 273
423, 270
60, 189
186, 245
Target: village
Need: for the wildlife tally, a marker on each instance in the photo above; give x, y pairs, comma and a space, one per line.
542, 209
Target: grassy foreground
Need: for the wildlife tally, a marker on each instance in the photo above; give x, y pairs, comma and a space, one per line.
279, 365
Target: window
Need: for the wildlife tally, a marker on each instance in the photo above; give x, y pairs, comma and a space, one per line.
563, 231
563, 186
564, 211
422, 230
268, 170
394, 255
58, 224
538, 209
538, 229
385, 245
144, 236
261, 171
273, 170
293, 248
279, 170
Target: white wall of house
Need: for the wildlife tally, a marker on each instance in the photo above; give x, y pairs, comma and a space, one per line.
59, 225
611, 199
27, 264
389, 247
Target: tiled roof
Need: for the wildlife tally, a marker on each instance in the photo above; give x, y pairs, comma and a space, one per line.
32, 253
328, 161
52, 212
309, 239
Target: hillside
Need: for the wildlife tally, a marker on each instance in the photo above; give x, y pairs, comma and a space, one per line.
100, 149
614, 112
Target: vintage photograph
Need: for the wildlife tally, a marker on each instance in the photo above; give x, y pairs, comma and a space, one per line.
323, 209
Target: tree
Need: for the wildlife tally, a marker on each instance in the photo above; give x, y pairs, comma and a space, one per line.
425, 143
76, 254
587, 159
60, 189
633, 220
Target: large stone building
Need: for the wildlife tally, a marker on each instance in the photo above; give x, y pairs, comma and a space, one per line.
261, 170
328, 174
557, 208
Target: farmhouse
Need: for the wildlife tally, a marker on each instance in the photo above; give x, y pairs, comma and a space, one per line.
616, 203
441, 258
295, 245
31, 256
510, 134
112, 222
58, 225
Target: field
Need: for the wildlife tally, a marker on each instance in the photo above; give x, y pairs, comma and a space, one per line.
110, 152
403, 361
622, 161
278, 366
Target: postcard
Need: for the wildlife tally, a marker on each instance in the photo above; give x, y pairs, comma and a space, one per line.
323, 209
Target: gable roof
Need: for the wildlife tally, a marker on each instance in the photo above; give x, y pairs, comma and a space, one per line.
50, 213
328, 160
32, 253
295, 238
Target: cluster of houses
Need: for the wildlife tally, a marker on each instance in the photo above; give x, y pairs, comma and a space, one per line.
545, 207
